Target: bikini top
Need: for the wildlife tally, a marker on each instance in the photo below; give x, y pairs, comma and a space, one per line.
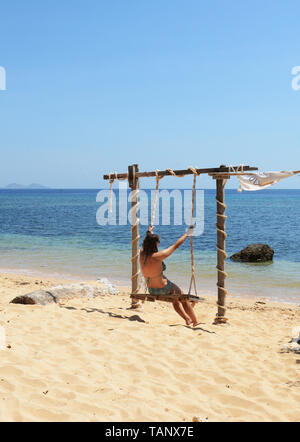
162, 270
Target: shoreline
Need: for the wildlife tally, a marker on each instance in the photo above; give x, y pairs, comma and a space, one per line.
36, 274
22, 282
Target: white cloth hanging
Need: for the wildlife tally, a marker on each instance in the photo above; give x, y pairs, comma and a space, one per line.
262, 180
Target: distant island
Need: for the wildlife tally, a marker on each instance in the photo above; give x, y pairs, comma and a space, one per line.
21, 186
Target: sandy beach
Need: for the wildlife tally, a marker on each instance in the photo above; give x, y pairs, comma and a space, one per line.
95, 360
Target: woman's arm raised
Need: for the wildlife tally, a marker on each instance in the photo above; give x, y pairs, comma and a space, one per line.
163, 254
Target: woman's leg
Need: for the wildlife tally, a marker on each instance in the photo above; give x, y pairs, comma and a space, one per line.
179, 309
190, 312
184, 309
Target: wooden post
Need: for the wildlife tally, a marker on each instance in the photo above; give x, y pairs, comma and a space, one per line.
221, 247
134, 185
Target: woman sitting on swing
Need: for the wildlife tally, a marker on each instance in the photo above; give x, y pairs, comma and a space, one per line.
152, 266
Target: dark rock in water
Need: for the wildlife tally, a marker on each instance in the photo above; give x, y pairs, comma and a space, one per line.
254, 253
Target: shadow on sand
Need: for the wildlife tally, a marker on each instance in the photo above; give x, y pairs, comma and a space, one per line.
112, 315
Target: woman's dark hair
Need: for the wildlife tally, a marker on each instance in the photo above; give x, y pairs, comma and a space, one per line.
150, 243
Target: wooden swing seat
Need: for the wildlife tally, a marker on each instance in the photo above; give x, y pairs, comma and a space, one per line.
166, 298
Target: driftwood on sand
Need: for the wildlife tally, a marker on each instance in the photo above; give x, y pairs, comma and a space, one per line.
66, 292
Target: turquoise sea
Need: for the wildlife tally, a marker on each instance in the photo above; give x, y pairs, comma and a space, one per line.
55, 232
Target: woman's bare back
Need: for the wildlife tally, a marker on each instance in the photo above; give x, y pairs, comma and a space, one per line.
152, 269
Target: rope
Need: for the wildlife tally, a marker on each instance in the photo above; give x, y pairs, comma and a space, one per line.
111, 181
240, 169
193, 279
134, 217
158, 178
241, 166
174, 174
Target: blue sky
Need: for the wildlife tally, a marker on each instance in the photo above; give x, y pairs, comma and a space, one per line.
93, 86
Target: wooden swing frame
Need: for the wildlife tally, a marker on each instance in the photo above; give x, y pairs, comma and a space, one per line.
221, 175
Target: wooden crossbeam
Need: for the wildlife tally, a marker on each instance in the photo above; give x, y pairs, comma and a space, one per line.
166, 298
162, 173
